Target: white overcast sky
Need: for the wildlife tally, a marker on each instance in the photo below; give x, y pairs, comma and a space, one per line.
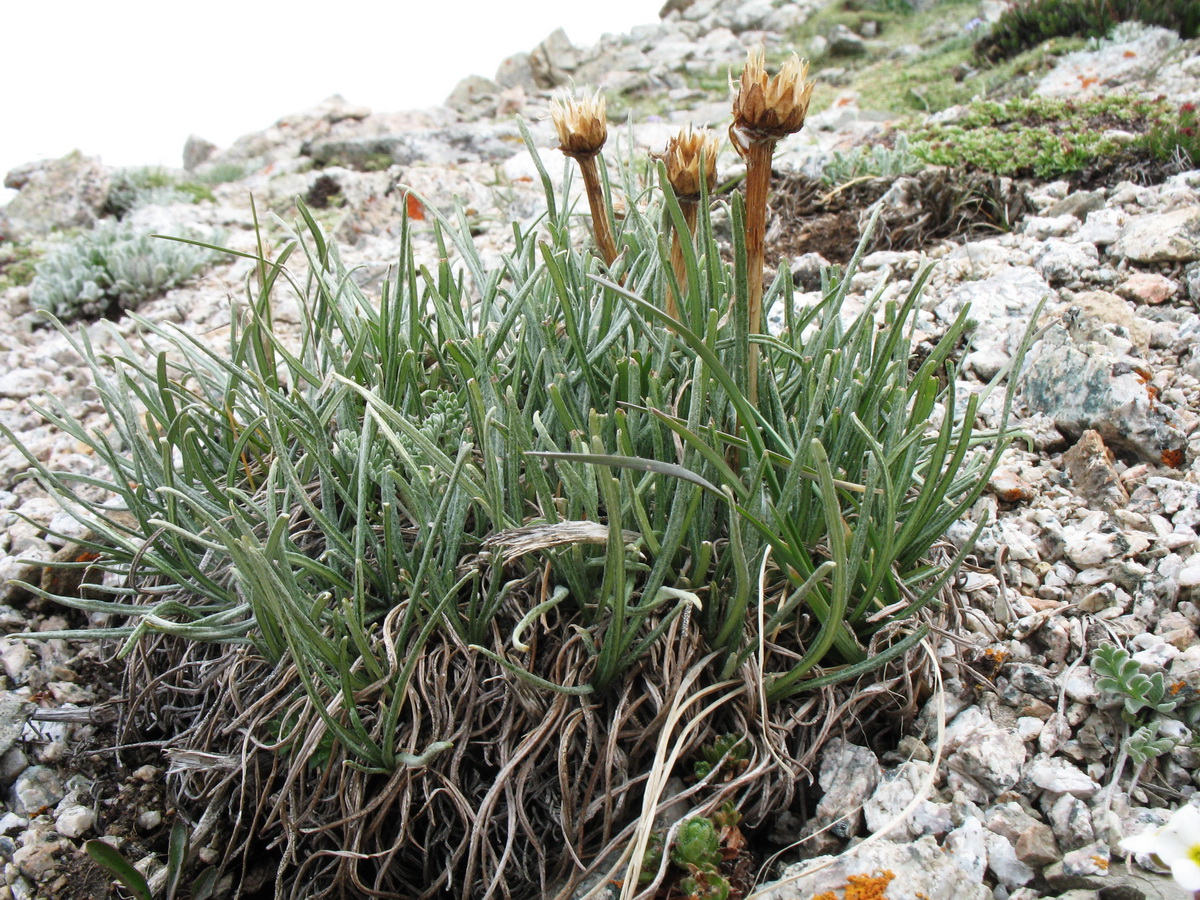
129, 80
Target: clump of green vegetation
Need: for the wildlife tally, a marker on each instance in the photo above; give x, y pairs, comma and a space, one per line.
941, 75
1026, 23
446, 548
1175, 136
201, 888
1049, 138
876, 161
134, 188
18, 264
109, 268
1147, 701
222, 173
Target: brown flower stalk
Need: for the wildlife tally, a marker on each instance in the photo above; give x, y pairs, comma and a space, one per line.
765, 110
582, 130
691, 161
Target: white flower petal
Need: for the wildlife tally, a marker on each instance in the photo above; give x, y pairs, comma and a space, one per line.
1186, 820
1146, 842
1170, 844
1186, 873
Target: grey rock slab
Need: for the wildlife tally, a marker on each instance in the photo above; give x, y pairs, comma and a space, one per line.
21, 383
1084, 386
56, 194
1093, 477
1003, 862
196, 152
75, 821
453, 145
1002, 305
1077, 204
1106, 319
36, 789
1063, 262
1162, 237
39, 856
1060, 777
966, 847
471, 92
1089, 860
896, 790
515, 71
921, 869
14, 713
554, 60
983, 751
848, 775
1072, 822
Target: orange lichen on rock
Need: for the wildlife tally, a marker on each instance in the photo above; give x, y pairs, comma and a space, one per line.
1172, 458
826, 895
869, 887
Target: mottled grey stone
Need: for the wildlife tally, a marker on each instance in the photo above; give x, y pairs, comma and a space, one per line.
848, 775
1072, 823
554, 60
453, 145
472, 92
196, 152
1003, 862
1092, 475
54, 194
1060, 777
14, 713
1163, 237
1086, 386
987, 753
35, 789
515, 71
1077, 204
920, 867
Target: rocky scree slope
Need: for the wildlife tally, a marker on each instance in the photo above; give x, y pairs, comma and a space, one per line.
1093, 521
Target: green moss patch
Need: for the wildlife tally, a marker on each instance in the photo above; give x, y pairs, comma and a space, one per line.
1050, 138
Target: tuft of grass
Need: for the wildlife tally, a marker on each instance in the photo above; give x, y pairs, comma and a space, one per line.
134, 188
222, 173
453, 545
18, 264
1026, 23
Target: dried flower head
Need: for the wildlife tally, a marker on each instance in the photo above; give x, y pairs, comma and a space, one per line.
581, 125
690, 156
768, 109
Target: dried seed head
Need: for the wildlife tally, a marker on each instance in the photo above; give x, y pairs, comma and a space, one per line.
581, 125
689, 156
768, 109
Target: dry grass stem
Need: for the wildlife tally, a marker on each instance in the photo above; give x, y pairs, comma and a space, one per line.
582, 132
691, 163
765, 110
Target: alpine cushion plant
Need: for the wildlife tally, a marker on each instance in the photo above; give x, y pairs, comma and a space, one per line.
471, 559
